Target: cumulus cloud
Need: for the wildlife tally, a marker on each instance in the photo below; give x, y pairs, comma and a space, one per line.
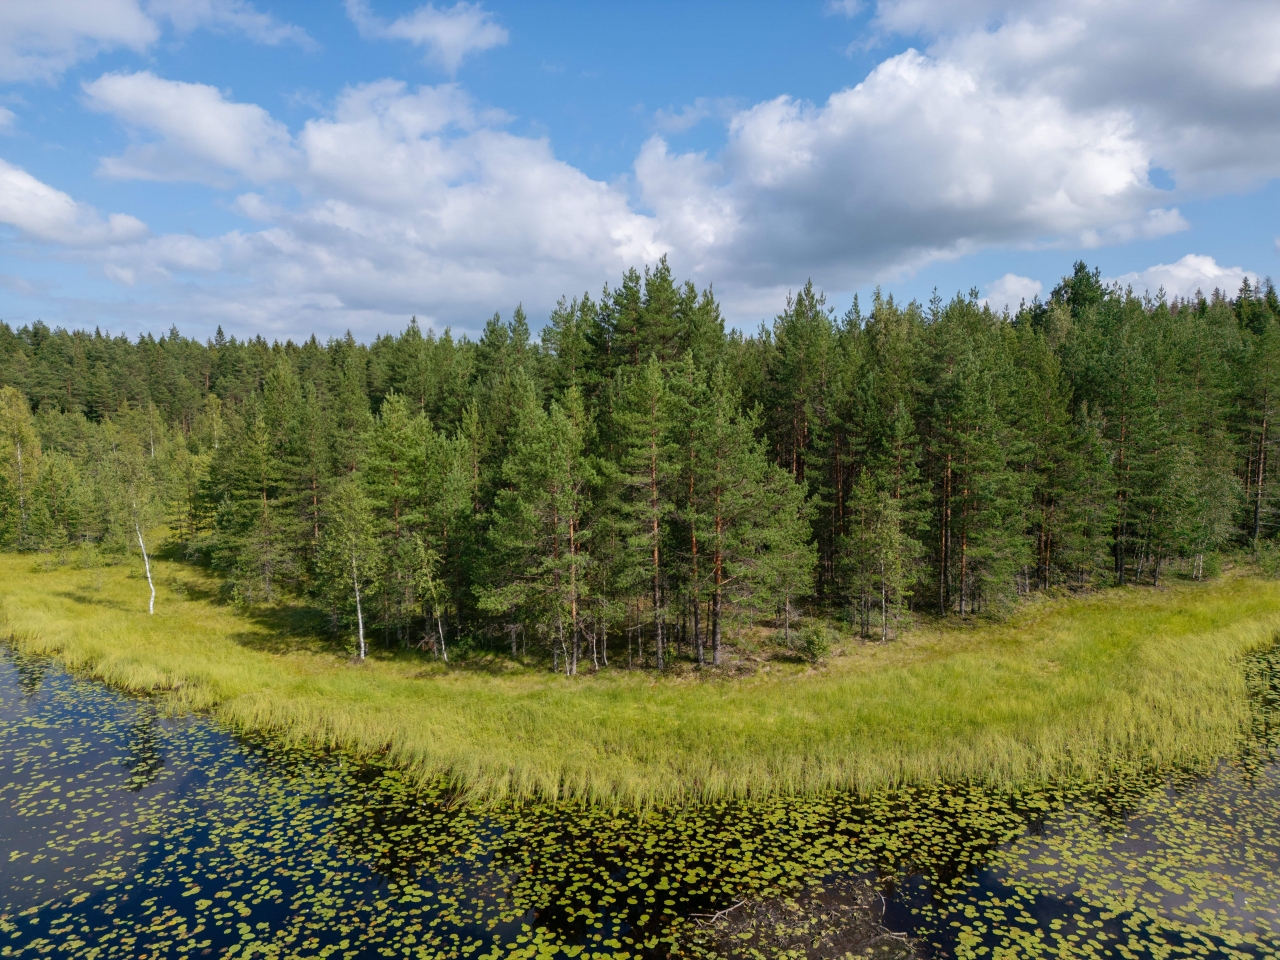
237, 16
418, 203
1029, 125
1185, 277
1011, 290
42, 212
1023, 125
202, 135
449, 35
922, 160
40, 40
1209, 112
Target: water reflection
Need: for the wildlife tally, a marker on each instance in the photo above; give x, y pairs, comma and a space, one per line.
146, 758
153, 836
31, 673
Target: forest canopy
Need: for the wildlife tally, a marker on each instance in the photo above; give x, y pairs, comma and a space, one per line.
639, 472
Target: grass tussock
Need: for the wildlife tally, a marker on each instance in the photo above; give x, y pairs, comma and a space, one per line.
1068, 685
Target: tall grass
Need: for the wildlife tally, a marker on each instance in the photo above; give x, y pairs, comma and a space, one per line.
1070, 684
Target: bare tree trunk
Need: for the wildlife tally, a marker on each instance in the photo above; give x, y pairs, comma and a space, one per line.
697, 631
943, 599
884, 613
1121, 525
1257, 502
355, 582
151, 607
22, 503
717, 598
657, 598
716, 625
653, 513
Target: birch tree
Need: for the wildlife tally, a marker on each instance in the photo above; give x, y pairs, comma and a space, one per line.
349, 553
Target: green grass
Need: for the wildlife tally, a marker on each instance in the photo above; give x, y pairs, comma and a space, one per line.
1067, 685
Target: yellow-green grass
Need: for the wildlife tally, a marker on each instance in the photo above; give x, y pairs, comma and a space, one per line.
1073, 684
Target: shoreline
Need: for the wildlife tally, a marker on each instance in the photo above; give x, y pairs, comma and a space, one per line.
1065, 686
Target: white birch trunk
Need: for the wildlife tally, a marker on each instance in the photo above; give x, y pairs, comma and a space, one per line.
151, 607
355, 582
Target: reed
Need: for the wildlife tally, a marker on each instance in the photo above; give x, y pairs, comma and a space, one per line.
1069, 684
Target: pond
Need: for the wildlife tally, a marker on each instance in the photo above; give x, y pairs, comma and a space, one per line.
131, 833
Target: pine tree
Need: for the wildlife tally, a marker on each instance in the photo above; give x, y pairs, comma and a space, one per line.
978, 459
645, 470
687, 401
781, 529
1261, 402
394, 473
537, 536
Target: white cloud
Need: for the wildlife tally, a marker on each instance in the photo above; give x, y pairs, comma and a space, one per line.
44, 213
40, 40
1210, 112
1018, 124
449, 34
1027, 126
1158, 222
1011, 290
692, 114
1185, 277
7, 120
418, 203
922, 160
236, 15
203, 136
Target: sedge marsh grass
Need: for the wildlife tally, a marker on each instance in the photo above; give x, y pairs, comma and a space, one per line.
1068, 685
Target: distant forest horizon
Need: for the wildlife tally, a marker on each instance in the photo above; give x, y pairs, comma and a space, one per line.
638, 474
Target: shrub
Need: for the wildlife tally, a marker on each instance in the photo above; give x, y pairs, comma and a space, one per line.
816, 642
1269, 559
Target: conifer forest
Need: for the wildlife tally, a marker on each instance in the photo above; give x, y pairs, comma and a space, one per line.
637, 484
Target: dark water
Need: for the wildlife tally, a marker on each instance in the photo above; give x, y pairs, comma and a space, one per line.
128, 833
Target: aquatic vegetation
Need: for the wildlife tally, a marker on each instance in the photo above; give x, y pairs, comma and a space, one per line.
131, 833
1068, 686
837, 918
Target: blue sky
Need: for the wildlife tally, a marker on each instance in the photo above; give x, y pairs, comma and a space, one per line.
290, 167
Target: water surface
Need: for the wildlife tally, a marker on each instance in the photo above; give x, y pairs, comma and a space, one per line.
128, 833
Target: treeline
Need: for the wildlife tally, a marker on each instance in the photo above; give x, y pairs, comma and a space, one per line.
639, 477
